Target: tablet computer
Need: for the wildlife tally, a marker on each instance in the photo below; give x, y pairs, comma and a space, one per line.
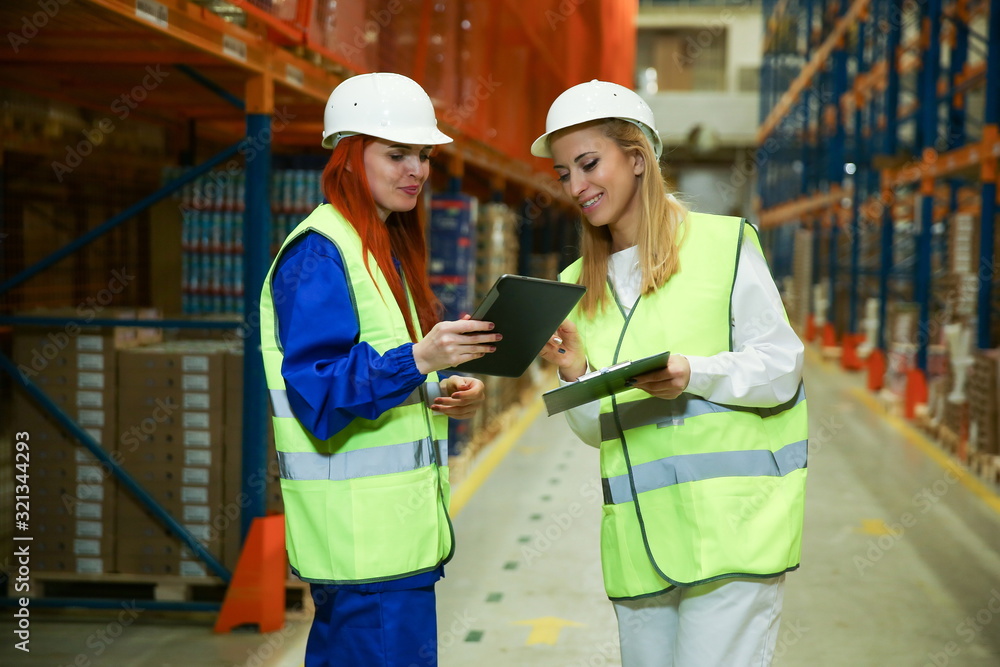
526, 312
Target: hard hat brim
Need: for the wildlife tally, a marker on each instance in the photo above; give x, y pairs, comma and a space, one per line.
412, 137
540, 147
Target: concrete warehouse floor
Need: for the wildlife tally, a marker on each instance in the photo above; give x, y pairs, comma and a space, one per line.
901, 563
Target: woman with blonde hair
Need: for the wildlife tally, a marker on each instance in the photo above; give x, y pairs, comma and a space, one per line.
703, 463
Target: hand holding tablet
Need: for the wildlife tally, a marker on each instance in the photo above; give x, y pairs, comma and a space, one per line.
525, 312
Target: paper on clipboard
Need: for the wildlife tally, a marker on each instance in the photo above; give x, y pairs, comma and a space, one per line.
600, 383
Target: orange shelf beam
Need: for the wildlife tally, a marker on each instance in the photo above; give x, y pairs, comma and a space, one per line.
784, 105
797, 208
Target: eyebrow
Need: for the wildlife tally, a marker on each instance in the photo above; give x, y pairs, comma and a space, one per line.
575, 160
408, 148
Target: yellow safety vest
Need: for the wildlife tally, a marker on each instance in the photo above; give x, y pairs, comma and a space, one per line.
371, 502
694, 491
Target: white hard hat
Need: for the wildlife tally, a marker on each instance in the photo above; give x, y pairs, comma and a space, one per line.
595, 100
384, 105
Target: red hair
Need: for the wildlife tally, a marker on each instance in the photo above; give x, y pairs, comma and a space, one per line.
401, 236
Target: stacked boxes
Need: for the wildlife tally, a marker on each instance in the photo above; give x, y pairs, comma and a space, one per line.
798, 307
498, 246
983, 391
171, 414
452, 270
452, 262
961, 284
72, 494
233, 484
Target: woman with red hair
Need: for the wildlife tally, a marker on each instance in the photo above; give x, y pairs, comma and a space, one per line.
351, 345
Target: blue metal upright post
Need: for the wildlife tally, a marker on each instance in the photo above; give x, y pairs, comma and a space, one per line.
859, 180
257, 223
817, 239
894, 8
957, 59
987, 262
835, 173
928, 132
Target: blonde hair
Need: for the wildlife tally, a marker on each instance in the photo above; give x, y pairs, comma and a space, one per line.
659, 229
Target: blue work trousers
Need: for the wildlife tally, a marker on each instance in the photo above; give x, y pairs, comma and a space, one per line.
386, 629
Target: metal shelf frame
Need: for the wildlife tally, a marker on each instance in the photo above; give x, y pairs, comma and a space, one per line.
861, 58
200, 45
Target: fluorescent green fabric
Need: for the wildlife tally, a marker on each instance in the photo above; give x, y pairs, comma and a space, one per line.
371, 502
720, 489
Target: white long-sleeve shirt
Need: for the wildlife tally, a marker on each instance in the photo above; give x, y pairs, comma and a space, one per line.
764, 370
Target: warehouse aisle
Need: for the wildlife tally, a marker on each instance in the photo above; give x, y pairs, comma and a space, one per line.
901, 563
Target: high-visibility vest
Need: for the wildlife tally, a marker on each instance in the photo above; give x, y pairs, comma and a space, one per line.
371, 502
694, 491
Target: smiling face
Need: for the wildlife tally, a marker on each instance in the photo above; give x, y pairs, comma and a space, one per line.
396, 172
601, 177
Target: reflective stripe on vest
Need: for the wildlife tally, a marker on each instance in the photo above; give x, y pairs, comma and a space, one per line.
673, 413
282, 409
697, 467
385, 460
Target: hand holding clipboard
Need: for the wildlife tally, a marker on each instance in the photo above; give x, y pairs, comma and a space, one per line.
604, 382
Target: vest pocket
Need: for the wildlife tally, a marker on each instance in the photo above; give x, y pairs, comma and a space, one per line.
396, 523
624, 562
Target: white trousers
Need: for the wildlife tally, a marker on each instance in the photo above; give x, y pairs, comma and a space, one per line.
728, 623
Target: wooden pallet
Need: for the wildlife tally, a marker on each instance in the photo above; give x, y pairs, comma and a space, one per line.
890, 402
923, 421
831, 353
113, 586
949, 439
986, 466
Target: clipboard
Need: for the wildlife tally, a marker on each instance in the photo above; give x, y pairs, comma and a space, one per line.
526, 311
600, 383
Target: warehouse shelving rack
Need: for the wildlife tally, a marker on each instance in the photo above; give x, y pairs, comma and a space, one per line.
862, 106
248, 67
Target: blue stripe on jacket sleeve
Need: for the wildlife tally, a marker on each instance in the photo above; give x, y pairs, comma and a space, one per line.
330, 376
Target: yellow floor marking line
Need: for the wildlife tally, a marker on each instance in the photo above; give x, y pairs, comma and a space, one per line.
874, 527
546, 630
931, 449
494, 455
